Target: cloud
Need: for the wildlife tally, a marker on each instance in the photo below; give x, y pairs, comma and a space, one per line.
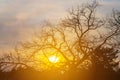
18, 18
111, 3
22, 16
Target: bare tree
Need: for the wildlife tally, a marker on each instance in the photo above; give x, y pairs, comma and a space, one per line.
76, 39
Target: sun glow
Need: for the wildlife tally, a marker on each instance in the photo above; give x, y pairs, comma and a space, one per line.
53, 59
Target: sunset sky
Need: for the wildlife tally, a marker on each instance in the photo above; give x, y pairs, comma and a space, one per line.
20, 18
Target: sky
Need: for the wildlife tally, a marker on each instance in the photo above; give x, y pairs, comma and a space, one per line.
20, 18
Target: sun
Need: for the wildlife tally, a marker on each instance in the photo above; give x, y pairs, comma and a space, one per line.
53, 59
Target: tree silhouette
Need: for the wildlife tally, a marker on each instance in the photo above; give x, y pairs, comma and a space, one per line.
87, 44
